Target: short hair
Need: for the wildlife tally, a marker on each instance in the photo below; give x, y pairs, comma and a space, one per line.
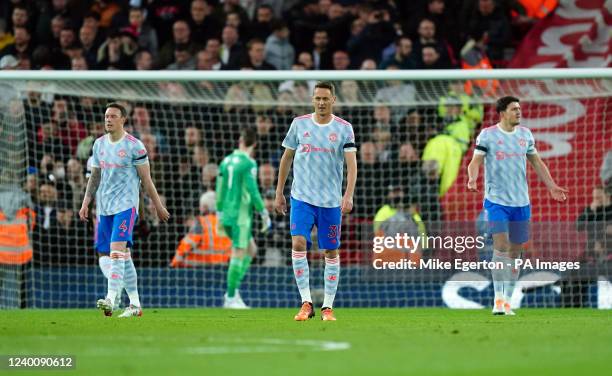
248, 135
119, 107
253, 42
503, 102
326, 85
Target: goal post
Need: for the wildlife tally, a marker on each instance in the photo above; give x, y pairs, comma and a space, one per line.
189, 121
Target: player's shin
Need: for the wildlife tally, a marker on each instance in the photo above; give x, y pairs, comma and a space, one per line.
131, 280
302, 274
233, 275
115, 282
499, 274
332, 276
246, 263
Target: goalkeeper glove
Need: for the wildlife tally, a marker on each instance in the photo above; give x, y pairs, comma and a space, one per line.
266, 222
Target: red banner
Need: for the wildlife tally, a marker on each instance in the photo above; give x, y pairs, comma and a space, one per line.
575, 35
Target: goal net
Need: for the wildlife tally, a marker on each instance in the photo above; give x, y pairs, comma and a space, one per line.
415, 134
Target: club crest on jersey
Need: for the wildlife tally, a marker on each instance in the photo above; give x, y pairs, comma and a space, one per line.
122, 153
333, 137
523, 142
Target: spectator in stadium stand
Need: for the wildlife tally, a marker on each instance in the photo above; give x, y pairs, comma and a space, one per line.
116, 53
16, 222
49, 142
147, 37
143, 60
278, 50
369, 190
431, 58
368, 40
321, 55
341, 60
47, 243
412, 128
53, 16
427, 37
242, 25
338, 26
268, 138
213, 47
78, 63
262, 25
203, 22
488, 16
181, 34
442, 160
22, 45
256, 56
92, 20
183, 60
95, 129
21, 17
458, 126
397, 93
442, 14
107, 9
71, 130
202, 245
402, 58
272, 244
474, 56
305, 58
209, 176
87, 37
266, 175
232, 51
141, 124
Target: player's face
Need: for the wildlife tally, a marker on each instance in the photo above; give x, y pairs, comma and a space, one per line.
513, 114
113, 121
323, 101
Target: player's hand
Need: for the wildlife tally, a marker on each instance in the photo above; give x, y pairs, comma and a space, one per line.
472, 186
558, 193
347, 204
280, 204
84, 213
266, 222
162, 213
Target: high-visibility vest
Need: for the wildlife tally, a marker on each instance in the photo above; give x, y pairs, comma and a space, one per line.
206, 247
538, 8
15, 245
487, 87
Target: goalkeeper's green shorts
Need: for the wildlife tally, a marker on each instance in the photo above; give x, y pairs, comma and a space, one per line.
240, 234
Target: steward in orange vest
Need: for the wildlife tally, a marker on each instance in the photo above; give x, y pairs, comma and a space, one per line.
15, 214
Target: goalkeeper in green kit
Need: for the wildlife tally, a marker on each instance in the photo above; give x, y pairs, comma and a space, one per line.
237, 196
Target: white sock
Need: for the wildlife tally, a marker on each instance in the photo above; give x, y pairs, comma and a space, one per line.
301, 274
510, 282
131, 281
500, 275
115, 282
332, 275
105, 266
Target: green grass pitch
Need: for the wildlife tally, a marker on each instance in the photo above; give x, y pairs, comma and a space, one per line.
362, 342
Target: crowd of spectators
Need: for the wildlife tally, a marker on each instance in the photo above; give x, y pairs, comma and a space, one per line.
253, 34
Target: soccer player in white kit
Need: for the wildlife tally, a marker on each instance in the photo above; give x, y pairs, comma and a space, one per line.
505, 148
318, 145
119, 163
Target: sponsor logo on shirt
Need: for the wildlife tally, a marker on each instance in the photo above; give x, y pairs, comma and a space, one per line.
501, 155
308, 148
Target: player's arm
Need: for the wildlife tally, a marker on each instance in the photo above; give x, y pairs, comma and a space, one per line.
351, 178
221, 189
144, 172
557, 193
280, 204
473, 171
90, 192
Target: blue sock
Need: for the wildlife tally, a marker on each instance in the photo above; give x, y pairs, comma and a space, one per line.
131, 281
302, 274
332, 275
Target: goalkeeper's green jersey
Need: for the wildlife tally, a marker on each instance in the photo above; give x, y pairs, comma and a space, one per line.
237, 192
